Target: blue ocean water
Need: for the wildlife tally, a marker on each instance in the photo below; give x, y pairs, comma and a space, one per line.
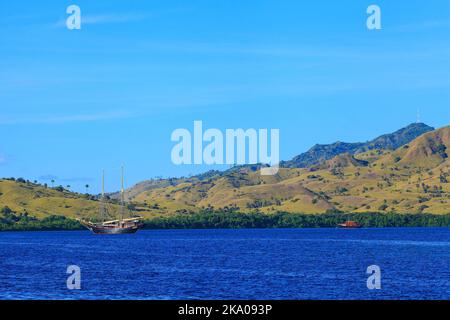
228, 264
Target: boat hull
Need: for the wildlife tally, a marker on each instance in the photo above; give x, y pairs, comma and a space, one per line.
112, 229
347, 227
106, 230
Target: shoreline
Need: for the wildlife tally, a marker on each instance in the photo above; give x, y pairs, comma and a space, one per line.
234, 220
243, 229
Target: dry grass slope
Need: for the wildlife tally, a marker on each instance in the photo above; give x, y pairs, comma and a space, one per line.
412, 179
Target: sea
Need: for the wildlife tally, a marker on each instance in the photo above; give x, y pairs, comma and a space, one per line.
261, 264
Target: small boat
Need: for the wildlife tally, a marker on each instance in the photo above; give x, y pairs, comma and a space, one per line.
121, 225
349, 225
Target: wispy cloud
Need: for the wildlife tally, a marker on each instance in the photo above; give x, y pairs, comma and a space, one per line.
66, 118
430, 24
113, 18
2, 159
91, 19
77, 179
48, 177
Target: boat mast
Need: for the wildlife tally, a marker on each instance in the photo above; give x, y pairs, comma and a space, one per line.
102, 199
103, 184
122, 198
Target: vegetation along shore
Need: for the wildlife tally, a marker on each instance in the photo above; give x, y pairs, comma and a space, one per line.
234, 220
397, 179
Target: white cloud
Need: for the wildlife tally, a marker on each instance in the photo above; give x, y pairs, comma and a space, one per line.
48, 177
112, 18
90, 19
430, 24
65, 118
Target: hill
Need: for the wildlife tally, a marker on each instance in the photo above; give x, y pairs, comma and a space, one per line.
322, 152
412, 178
31, 199
345, 160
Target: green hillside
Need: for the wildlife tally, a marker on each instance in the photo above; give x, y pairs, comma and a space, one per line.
32, 199
414, 178
410, 179
391, 141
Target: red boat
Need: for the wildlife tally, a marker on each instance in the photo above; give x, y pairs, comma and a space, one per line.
349, 225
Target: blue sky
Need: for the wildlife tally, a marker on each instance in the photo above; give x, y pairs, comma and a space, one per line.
75, 101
